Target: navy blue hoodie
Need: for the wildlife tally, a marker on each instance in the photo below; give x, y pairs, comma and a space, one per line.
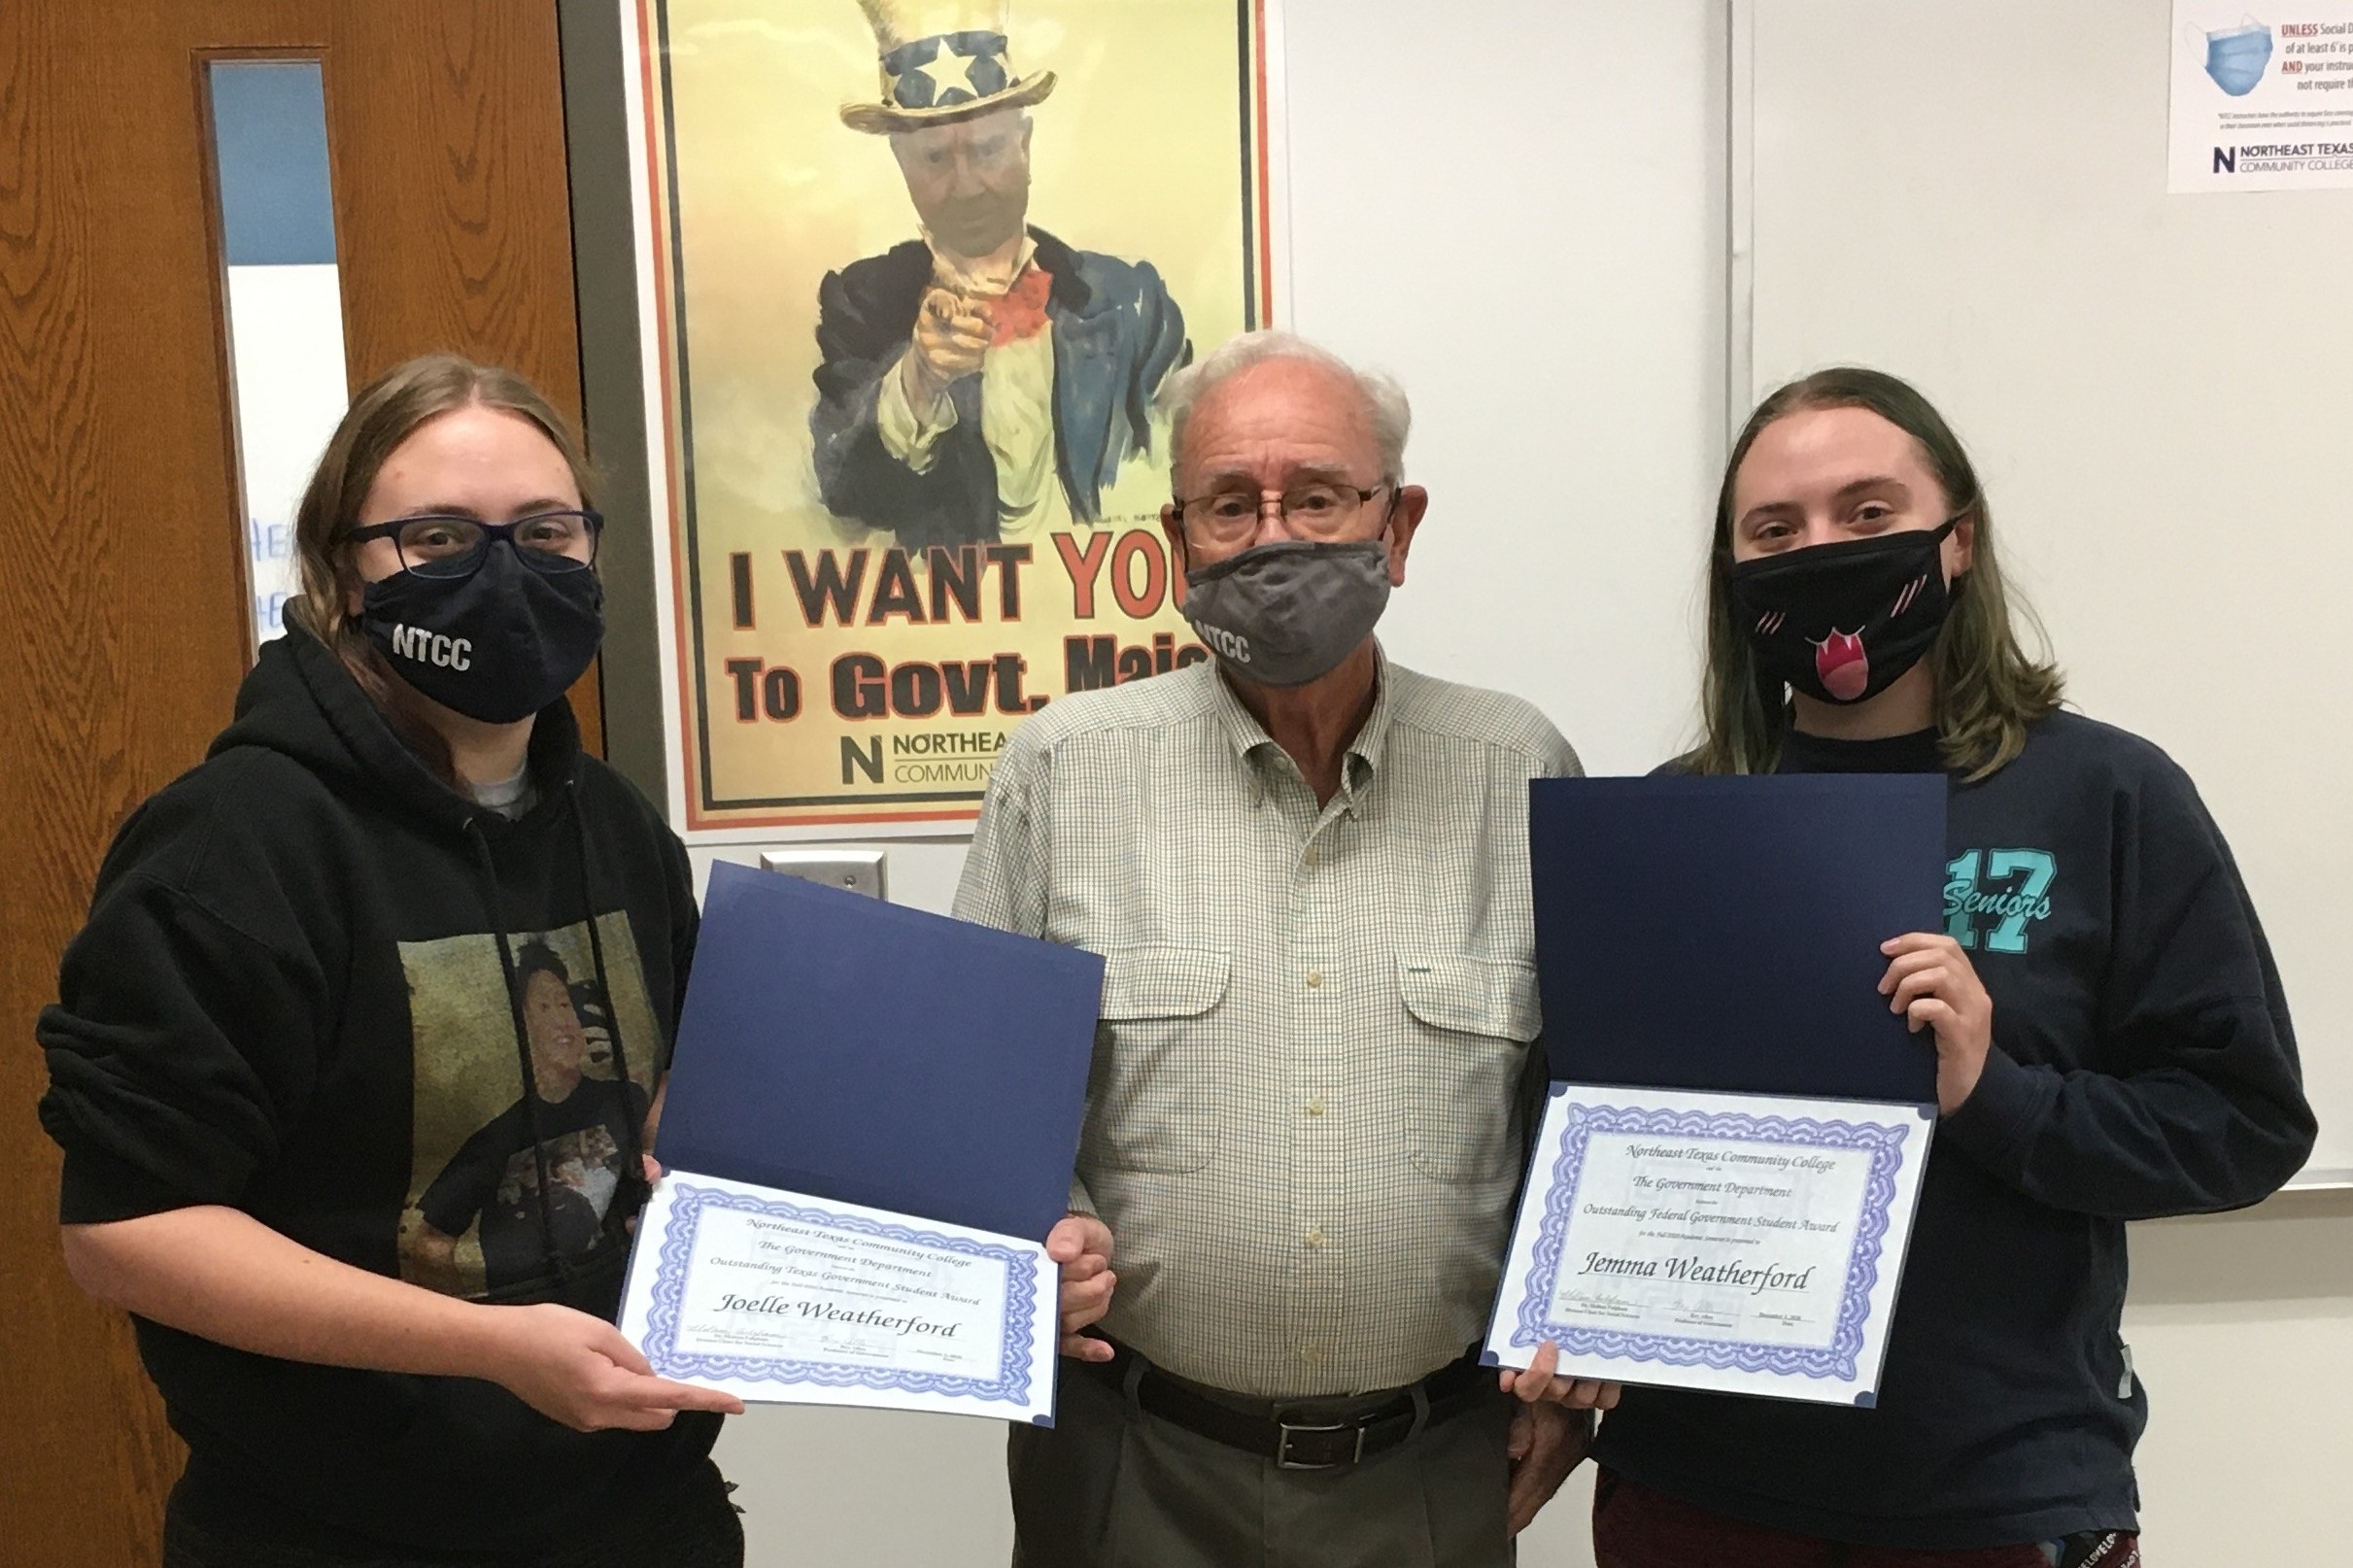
320, 986
2142, 1065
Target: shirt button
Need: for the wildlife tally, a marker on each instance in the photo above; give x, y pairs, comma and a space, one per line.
1312, 1356
1311, 856
1314, 979
1315, 1104
1314, 1238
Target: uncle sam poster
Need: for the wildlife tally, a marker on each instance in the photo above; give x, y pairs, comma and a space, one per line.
918, 270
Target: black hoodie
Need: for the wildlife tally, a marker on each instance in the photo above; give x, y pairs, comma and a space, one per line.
320, 987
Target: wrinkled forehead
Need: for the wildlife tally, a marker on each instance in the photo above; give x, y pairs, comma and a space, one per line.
1278, 416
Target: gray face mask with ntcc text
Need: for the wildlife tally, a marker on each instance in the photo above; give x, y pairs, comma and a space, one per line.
1286, 613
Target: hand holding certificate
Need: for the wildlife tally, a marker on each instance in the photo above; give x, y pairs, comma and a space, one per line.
1737, 1242
1674, 1234
776, 1297
870, 1128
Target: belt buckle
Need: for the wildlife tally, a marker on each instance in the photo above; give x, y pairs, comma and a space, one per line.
1287, 1431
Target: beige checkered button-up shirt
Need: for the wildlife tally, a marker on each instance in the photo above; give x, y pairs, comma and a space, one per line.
1304, 1121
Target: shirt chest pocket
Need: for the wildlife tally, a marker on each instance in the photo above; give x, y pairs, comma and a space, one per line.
1149, 1105
1471, 1022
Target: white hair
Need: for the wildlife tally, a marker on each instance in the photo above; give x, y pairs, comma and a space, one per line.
1385, 407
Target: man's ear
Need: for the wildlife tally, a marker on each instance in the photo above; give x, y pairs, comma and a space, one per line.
1405, 519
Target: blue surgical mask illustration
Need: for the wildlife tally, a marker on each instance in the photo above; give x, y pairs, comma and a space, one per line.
2235, 57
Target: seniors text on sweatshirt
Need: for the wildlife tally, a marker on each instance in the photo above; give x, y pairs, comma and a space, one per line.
2142, 1065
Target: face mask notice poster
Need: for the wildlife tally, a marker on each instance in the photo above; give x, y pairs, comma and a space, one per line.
913, 275
2262, 103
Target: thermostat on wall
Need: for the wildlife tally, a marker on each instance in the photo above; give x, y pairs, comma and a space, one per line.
858, 869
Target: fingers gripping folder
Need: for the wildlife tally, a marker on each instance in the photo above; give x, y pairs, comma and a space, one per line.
869, 1129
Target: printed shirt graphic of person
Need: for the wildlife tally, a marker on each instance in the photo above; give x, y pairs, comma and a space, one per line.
986, 382
495, 1176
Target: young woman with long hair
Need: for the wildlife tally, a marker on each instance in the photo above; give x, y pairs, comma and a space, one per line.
2112, 1041
337, 1131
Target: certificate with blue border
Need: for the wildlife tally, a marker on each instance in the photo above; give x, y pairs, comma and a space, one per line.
1742, 1243
788, 1299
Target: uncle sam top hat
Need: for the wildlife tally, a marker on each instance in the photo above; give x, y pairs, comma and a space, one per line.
942, 64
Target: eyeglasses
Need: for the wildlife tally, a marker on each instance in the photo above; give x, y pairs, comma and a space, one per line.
1320, 512
551, 542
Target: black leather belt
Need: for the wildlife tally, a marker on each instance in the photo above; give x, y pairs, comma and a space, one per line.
1296, 1439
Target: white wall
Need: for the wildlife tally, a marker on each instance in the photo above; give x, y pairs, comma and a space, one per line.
2243, 1327
1540, 258
1549, 285
1936, 195
2155, 386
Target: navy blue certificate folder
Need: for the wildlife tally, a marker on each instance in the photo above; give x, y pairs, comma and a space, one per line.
836, 1045
1708, 932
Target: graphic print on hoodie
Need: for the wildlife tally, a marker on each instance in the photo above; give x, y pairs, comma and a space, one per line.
291, 999
511, 1170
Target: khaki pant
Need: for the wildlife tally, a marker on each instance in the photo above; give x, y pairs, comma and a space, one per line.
1110, 1486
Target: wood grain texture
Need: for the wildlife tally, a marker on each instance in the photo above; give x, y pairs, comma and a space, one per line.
122, 580
121, 595
466, 242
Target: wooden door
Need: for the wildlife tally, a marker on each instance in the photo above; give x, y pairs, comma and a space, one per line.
124, 611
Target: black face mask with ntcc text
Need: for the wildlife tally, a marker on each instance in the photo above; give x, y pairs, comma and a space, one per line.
1842, 622
498, 645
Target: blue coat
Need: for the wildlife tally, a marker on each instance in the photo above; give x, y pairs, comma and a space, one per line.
1116, 335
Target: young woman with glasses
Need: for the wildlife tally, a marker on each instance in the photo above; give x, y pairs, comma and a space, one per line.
2111, 1041
336, 1129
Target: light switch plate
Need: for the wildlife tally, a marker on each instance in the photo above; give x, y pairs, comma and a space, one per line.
858, 869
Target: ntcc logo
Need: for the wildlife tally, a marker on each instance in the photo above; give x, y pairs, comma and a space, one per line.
433, 648
1229, 644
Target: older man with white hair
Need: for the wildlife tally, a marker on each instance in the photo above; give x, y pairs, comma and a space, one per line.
1307, 869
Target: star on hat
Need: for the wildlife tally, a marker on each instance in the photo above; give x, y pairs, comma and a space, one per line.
942, 64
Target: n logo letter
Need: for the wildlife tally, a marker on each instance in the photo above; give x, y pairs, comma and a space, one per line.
862, 760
